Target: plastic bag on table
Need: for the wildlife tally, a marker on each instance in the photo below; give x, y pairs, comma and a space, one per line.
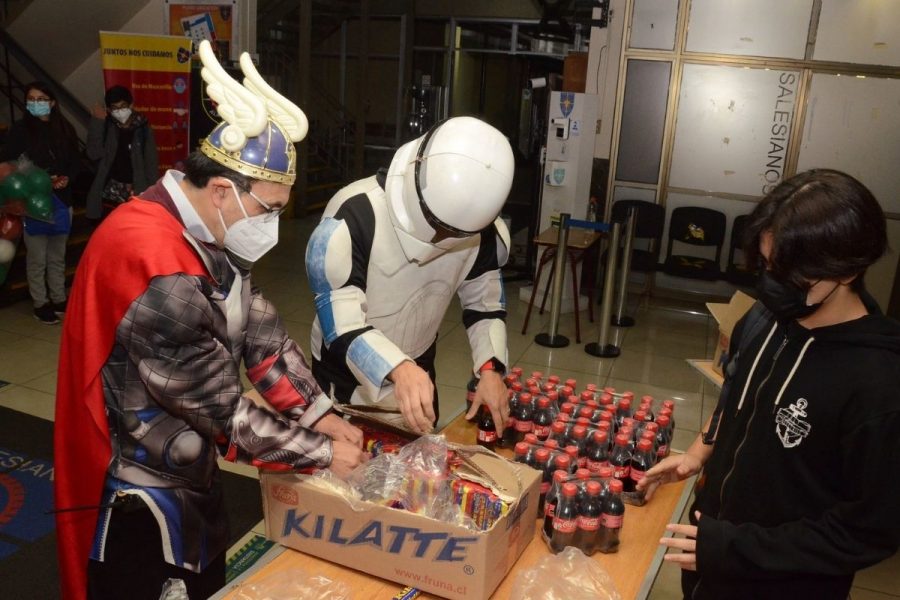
295, 584
569, 575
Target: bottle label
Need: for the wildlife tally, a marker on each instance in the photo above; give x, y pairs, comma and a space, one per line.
545, 487
636, 474
511, 422
662, 451
523, 426
588, 523
612, 521
594, 466
549, 510
621, 472
542, 431
565, 525
487, 435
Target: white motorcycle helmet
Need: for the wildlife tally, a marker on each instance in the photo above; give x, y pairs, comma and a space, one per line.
448, 185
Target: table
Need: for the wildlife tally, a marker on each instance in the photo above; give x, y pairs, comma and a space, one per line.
578, 244
633, 568
704, 367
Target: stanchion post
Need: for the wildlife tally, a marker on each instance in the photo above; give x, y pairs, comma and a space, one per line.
620, 319
552, 339
602, 347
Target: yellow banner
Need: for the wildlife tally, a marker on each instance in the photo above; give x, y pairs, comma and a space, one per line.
136, 52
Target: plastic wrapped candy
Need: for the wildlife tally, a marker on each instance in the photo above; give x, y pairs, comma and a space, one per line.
295, 584
569, 575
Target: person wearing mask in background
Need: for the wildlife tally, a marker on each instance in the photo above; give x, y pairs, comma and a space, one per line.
48, 140
389, 255
120, 140
149, 393
800, 459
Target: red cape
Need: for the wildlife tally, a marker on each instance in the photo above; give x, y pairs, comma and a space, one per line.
138, 241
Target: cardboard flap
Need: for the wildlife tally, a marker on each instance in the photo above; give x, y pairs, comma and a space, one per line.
727, 315
501, 476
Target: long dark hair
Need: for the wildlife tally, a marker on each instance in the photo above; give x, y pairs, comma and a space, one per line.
62, 134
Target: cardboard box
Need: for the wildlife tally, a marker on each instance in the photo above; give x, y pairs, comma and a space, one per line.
727, 315
443, 559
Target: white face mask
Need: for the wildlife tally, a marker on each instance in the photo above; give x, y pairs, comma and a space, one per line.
251, 237
121, 114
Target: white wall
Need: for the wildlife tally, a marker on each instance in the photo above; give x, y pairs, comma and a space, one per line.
603, 71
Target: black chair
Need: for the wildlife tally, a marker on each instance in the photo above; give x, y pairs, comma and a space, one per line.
739, 273
695, 226
650, 221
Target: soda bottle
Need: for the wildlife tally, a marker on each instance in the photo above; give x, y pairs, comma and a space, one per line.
611, 519
579, 440
670, 406
628, 432
586, 412
663, 436
542, 420
641, 462
562, 462
559, 477
554, 380
649, 433
565, 519
521, 453
471, 387
530, 439
582, 476
589, 513
623, 411
571, 384
517, 371
509, 431
538, 377
585, 396
620, 458
647, 406
628, 395
542, 464
524, 415
572, 452
565, 394
553, 396
567, 408
487, 432
598, 452
558, 433
606, 400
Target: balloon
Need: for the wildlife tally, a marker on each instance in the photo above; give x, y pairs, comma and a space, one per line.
10, 227
13, 207
7, 251
5, 169
39, 206
38, 181
15, 185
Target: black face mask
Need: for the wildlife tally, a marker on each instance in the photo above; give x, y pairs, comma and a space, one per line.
786, 300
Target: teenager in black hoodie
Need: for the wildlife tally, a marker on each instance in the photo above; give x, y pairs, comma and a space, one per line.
801, 459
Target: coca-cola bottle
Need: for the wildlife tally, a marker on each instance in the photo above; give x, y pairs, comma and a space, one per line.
524, 415
562, 462
554, 380
647, 406
558, 433
520, 453
471, 388
623, 411
620, 458
570, 383
542, 464
538, 377
589, 513
663, 436
582, 476
567, 408
598, 452
649, 433
641, 462
517, 371
508, 439
670, 406
585, 412
611, 519
606, 400
565, 394
487, 431
565, 519
578, 437
572, 452
559, 477
543, 419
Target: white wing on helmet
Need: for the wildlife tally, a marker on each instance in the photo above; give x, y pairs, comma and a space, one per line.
281, 110
243, 110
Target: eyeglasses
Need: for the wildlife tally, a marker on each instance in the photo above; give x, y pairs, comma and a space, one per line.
271, 213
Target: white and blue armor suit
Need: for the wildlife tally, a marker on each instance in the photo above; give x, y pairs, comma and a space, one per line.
392, 250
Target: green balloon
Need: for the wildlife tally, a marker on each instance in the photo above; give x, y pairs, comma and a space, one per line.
38, 181
15, 186
39, 206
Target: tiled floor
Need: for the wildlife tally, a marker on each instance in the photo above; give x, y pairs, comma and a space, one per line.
652, 362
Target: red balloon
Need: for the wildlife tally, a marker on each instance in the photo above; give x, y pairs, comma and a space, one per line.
10, 227
5, 169
13, 207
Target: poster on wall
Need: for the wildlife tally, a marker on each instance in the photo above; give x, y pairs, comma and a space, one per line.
156, 68
213, 20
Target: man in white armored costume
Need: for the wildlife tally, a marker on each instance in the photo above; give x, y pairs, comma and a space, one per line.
388, 256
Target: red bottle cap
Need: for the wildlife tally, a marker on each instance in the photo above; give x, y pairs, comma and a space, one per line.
517, 370
543, 402
558, 427
531, 382
625, 404
537, 374
560, 476
566, 391
554, 379
586, 395
530, 438
572, 452
621, 440
606, 472
606, 417
627, 432
651, 426
663, 420
585, 411
551, 444
670, 404
591, 386
568, 408
593, 488
647, 436
640, 416
606, 399
548, 387
563, 417
521, 448
571, 383
553, 395
563, 462
628, 422
579, 432
609, 390
542, 455
615, 486
569, 490
601, 437
645, 445
628, 395
516, 386
582, 474
604, 426
646, 399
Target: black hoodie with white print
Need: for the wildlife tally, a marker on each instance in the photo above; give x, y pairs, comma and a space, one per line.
803, 487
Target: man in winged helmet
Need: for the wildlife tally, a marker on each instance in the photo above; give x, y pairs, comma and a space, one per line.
161, 315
